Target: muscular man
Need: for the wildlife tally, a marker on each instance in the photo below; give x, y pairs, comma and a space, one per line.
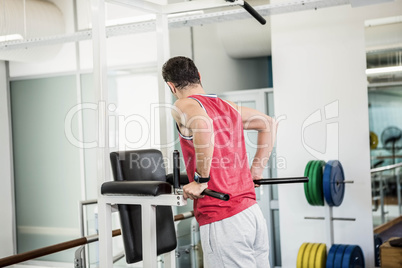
234, 232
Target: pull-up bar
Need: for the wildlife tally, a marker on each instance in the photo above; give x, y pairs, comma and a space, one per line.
252, 11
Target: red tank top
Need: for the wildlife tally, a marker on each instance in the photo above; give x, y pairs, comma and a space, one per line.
230, 171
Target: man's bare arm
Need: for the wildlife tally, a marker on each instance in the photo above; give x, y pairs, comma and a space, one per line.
267, 128
195, 121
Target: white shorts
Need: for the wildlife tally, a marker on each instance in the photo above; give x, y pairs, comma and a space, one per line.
238, 241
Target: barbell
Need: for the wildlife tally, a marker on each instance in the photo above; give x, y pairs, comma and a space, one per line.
225, 196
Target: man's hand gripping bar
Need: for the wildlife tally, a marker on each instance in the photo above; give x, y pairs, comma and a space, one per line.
176, 180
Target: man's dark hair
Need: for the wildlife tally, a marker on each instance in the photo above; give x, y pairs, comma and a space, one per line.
181, 71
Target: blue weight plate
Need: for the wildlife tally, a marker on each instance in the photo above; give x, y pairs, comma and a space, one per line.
339, 256
331, 256
326, 183
353, 257
337, 185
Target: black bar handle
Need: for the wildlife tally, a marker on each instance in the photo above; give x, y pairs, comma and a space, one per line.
176, 179
281, 180
176, 169
224, 197
254, 13
211, 193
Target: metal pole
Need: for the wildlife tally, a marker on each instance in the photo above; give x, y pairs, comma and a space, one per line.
329, 226
149, 253
382, 200
398, 188
100, 86
165, 98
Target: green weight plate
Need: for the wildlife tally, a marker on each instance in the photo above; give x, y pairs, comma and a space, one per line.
311, 183
299, 262
306, 255
306, 184
313, 254
312, 186
320, 191
315, 187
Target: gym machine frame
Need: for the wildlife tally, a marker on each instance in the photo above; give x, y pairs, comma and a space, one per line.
148, 214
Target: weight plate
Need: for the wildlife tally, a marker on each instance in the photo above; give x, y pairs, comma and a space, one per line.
337, 183
377, 244
306, 255
313, 254
331, 256
299, 261
321, 256
311, 187
307, 174
326, 183
317, 192
307, 186
373, 140
321, 193
339, 256
312, 182
353, 257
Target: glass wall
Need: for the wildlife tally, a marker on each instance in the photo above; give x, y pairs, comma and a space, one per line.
54, 140
385, 108
385, 115
46, 165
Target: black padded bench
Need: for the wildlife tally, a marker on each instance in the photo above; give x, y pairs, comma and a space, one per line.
144, 198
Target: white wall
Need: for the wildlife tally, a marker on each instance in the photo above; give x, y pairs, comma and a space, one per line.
6, 189
319, 60
219, 72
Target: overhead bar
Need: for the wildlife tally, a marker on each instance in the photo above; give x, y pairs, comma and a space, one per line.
187, 20
176, 7
251, 11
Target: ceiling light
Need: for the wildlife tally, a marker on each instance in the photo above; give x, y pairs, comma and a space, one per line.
384, 70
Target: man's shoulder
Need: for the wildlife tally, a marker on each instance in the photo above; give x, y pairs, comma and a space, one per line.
186, 104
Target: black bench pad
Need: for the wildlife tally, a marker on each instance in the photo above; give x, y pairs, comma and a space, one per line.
153, 188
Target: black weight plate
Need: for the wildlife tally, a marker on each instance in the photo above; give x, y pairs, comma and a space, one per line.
377, 244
